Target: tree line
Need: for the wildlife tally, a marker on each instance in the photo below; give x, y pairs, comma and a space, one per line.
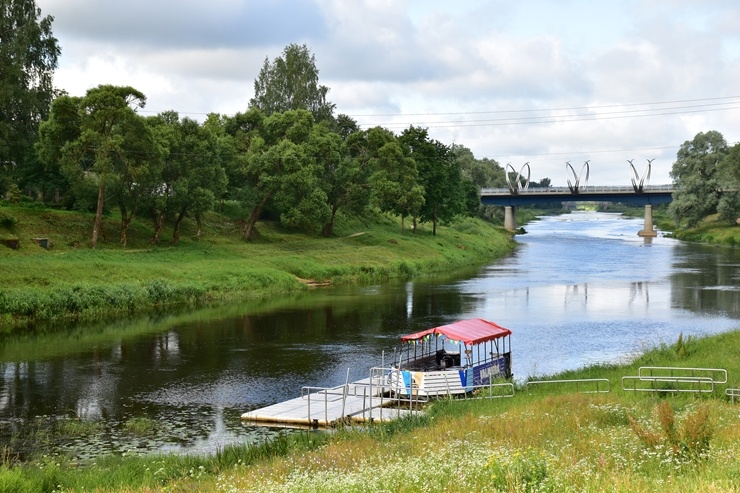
288, 156
97, 152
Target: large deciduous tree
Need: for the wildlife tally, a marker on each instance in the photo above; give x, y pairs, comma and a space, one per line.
114, 149
347, 169
28, 58
696, 177
192, 175
62, 126
395, 179
439, 175
291, 82
278, 164
729, 168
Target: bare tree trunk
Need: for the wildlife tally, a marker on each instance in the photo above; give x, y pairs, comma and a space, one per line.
414, 223
158, 218
125, 223
199, 224
434, 223
403, 225
253, 216
329, 226
98, 214
124, 231
176, 232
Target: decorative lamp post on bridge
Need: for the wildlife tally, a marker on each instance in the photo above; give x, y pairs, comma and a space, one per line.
638, 184
515, 188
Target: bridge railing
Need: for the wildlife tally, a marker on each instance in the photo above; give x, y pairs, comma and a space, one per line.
567, 191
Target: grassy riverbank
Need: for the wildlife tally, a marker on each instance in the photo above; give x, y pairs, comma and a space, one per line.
553, 440
712, 230
71, 280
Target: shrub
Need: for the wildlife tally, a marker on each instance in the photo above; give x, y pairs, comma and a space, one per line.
6, 220
690, 441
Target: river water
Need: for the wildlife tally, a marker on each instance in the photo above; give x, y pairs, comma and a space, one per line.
580, 289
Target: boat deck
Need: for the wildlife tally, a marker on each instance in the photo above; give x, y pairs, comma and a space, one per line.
358, 402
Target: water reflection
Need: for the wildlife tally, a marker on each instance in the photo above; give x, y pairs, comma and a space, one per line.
579, 289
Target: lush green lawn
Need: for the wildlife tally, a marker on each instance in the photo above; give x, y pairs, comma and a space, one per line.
554, 440
73, 280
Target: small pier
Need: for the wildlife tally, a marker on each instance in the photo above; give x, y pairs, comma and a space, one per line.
364, 401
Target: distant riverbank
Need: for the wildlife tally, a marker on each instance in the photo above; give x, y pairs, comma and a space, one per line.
69, 280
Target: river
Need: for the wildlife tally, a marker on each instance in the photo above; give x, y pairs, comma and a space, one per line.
579, 289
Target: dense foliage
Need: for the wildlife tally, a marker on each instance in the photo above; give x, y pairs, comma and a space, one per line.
707, 179
284, 165
28, 58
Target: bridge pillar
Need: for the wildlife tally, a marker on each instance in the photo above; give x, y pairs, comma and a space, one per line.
647, 230
509, 218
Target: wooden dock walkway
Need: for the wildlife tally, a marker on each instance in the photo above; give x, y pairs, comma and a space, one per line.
359, 402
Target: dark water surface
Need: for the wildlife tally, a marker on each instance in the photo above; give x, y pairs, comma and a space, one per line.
580, 289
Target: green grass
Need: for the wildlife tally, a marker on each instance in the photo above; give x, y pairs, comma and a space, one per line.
712, 230
556, 441
71, 280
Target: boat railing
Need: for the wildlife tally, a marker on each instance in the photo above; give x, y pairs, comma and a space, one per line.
601, 385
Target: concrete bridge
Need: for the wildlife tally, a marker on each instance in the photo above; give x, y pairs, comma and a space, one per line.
647, 195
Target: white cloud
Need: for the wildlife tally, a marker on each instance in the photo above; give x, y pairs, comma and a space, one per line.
535, 80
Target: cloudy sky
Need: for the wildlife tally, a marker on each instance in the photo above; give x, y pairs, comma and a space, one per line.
538, 81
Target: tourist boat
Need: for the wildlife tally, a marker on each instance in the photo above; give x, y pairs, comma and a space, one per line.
451, 359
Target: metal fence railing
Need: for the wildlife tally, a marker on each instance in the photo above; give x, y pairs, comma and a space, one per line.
494, 391
674, 379
600, 385
732, 394
718, 375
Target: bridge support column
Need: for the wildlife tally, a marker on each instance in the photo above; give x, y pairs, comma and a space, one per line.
509, 218
647, 230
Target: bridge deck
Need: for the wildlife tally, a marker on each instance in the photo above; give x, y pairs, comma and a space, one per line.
654, 194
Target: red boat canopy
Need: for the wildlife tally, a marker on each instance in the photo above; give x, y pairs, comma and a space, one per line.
473, 331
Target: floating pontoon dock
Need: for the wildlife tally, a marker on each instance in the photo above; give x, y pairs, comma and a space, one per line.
362, 401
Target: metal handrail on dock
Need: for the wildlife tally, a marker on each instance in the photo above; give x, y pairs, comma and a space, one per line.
307, 392
379, 382
576, 381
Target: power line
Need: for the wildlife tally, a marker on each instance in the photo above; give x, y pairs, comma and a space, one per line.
602, 151
554, 119
524, 111
552, 109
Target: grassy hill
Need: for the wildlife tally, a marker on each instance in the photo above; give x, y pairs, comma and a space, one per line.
70, 279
